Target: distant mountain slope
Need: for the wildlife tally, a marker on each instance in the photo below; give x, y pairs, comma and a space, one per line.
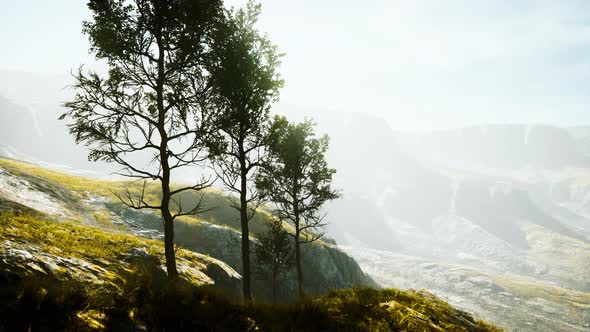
512, 302
18, 127
501, 146
507, 201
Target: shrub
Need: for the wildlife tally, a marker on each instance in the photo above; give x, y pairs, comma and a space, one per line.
39, 303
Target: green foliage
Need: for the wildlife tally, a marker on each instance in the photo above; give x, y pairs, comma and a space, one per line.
297, 180
273, 253
243, 66
245, 81
273, 249
152, 105
244, 75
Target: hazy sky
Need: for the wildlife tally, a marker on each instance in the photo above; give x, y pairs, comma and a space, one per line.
418, 64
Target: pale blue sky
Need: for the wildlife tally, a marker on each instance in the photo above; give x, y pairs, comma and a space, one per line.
419, 64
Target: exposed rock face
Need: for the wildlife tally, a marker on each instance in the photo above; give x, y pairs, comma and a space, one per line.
324, 265
21, 191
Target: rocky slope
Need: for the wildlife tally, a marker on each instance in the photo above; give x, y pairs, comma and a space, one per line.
90, 202
33, 244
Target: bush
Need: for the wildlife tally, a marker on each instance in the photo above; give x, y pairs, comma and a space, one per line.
148, 301
151, 300
39, 303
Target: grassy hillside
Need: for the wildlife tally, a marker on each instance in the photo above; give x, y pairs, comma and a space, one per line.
66, 276
87, 268
71, 251
58, 184
91, 202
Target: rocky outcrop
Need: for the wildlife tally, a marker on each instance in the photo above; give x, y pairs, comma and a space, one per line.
23, 258
324, 265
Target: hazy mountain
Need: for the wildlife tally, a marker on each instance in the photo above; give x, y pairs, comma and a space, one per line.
473, 214
493, 218
500, 146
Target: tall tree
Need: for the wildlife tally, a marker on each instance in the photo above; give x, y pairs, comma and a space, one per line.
273, 253
297, 180
153, 101
246, 82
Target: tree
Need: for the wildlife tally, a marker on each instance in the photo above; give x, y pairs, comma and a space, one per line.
153, 101
273, 253
297, 180
245, 80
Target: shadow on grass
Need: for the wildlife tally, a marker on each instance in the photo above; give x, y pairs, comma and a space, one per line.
148, 301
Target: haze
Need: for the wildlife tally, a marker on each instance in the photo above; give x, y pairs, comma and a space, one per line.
459, 131
418, 64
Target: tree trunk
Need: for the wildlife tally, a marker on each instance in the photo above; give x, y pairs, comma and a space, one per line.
165, 204
245, 235
298, 264
169, 246
245, 254
297, 243
167, 216
274, 288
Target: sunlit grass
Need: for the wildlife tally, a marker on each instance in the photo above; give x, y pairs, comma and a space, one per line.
215, 200
70, 239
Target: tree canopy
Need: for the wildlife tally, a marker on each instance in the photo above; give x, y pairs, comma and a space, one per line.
245, 82
297, 180
152, 107
274, 253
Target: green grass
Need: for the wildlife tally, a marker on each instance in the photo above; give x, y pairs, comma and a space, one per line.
392, 309
145, 298
220, 213
70, 239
